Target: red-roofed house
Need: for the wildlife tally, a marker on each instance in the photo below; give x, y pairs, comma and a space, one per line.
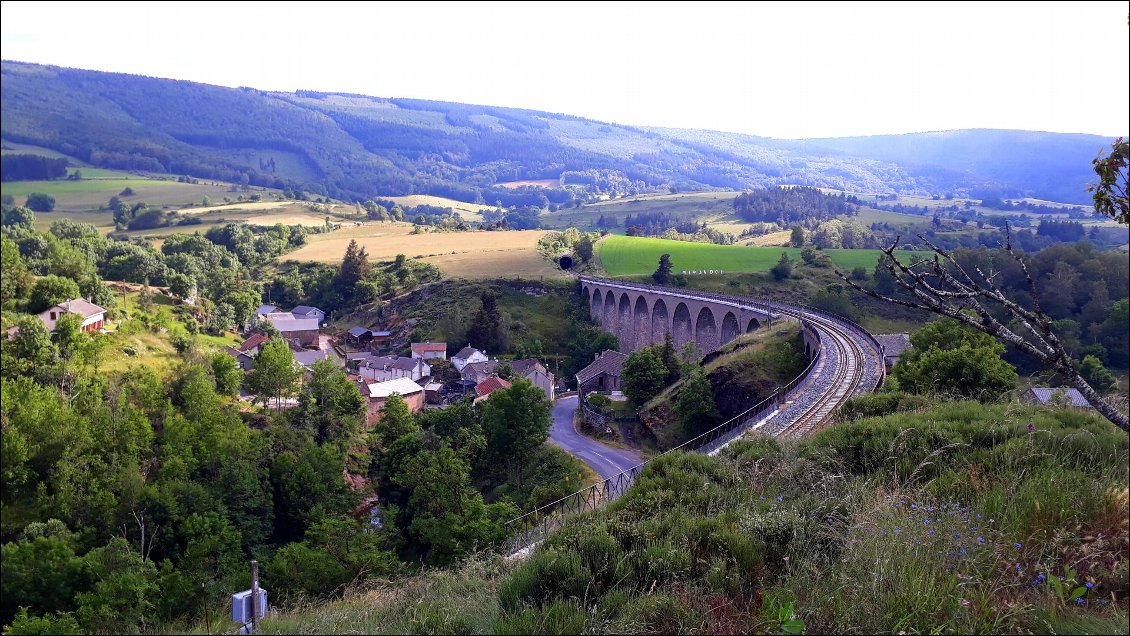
490, 385
252, 344
93, 316
429, 350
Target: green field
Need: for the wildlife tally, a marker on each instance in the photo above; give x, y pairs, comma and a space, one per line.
707, 206
633, 255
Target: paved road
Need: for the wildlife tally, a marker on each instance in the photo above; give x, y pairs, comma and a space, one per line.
607, 461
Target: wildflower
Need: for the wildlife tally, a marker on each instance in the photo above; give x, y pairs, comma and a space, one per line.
898, 530
963, 552
1017, 567
1079, 601
957, 534
780, 498
964, 603
914, 506
1089, 585
1031, 427
980, 539
932, 532
1017, 546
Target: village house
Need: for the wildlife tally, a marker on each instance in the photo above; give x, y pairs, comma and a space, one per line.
1050, 396
490, 385
377, 393
466, 356
251, 345
893, 346
302, 332
305, 311
603, 375
245, 362
429, 350
476, 372
381, 368
534, 371
93, 316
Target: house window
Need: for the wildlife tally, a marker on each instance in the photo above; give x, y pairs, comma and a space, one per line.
52, 315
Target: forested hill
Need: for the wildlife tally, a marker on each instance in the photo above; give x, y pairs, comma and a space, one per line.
355, 147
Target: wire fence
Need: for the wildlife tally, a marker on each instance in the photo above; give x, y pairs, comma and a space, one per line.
534, 526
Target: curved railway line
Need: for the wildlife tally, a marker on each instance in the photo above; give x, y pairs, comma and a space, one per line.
848, 362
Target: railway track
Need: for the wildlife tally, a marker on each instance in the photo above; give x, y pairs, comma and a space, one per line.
848, 362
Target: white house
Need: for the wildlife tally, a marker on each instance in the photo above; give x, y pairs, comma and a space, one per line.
306, 311
429, 350
93, 316
384, 368
466, 356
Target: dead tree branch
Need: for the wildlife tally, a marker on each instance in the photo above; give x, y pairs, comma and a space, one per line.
945, 287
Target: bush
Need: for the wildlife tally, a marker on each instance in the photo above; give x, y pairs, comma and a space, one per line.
40, 202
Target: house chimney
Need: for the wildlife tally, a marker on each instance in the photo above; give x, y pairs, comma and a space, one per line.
595, 357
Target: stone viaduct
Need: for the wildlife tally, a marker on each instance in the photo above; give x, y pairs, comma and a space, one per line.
641, 315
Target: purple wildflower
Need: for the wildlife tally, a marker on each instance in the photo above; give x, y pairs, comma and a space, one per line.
1031, 427
1017, 546
980, 539
1079, 601
1089, 585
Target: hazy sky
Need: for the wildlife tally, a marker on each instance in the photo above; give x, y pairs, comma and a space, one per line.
780, 70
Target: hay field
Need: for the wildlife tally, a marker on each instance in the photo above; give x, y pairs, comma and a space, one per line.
458, 254
469, 211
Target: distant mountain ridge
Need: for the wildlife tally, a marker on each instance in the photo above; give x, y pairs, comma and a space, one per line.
355, 147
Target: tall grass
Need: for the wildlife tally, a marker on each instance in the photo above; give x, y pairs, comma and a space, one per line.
951, 518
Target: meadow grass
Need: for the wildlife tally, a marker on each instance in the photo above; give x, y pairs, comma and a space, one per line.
633, 255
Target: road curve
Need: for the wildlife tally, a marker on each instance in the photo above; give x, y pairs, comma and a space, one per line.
606, 460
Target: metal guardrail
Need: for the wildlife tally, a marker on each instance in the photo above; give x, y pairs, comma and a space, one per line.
536, 525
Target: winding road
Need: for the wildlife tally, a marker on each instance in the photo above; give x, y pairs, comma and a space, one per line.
607, 461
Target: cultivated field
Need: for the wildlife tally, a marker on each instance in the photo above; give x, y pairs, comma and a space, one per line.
458, 254
92, 193
625, 256
469, 211
713, 207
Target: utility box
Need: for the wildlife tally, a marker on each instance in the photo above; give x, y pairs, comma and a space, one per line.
241, 606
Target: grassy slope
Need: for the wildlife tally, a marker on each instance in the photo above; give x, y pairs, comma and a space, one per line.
852, 530
623, 255
744, 372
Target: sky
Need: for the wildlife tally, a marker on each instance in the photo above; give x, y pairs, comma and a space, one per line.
785, 70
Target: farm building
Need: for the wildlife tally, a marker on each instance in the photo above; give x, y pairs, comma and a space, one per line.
1047, 396
433, 393
466, 356
308, 358
298, 331
378, 392
358, 336
429, 350
603, 375
93, 316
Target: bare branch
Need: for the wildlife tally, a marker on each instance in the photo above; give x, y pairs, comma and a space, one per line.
944, 286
